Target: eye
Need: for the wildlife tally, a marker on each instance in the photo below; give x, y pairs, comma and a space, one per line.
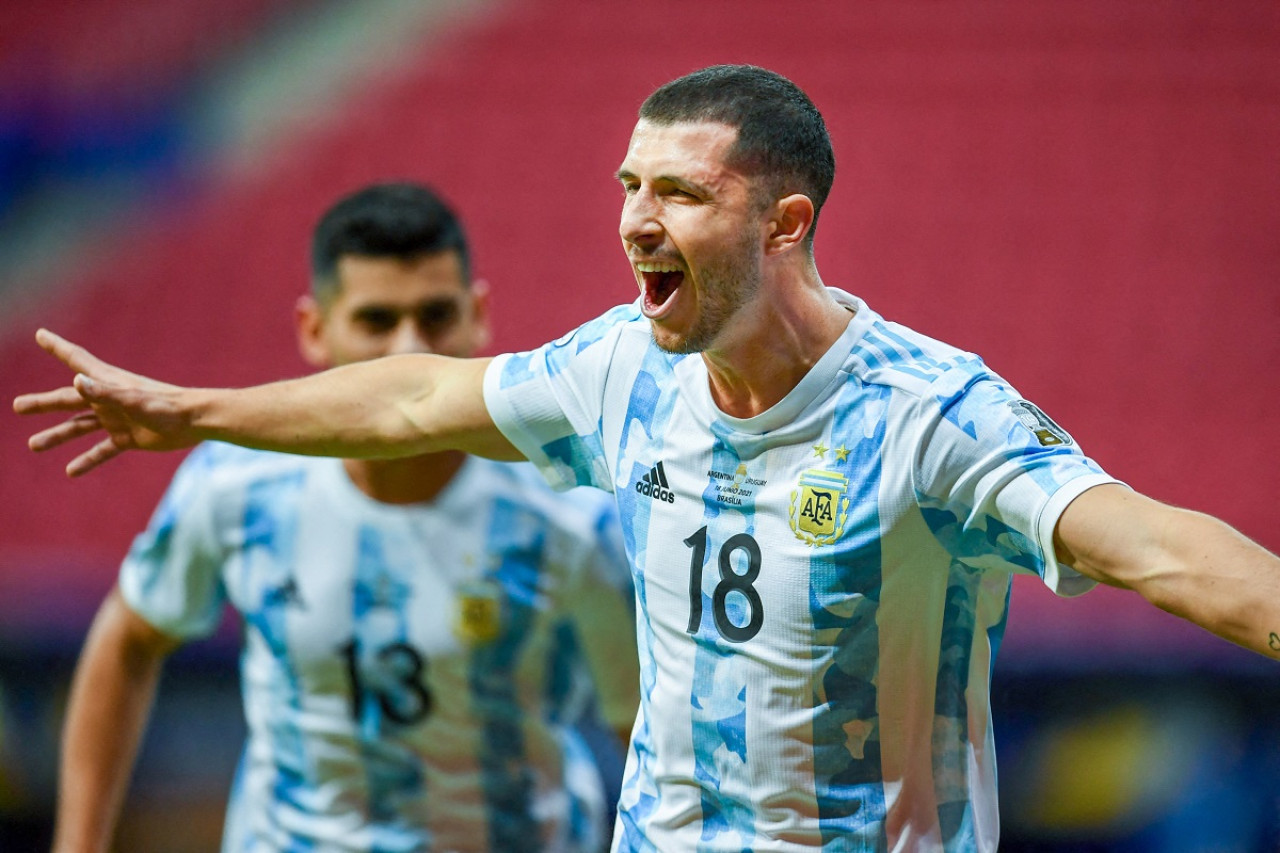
680, 191
437, 316
376, 319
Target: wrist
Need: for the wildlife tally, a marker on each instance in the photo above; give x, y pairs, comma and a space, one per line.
200, 408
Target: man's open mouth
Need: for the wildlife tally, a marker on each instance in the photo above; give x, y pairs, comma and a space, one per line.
661, 280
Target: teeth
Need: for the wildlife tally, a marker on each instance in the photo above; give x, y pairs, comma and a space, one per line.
657, 266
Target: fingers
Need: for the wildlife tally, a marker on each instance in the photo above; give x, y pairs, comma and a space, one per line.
103, 451
61, 400
70, 398
86, 388
72, 355
72, 428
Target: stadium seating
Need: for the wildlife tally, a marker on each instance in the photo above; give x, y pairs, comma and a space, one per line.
1086, 193
91, 88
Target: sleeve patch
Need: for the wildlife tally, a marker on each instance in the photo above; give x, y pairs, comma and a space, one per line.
1048, 433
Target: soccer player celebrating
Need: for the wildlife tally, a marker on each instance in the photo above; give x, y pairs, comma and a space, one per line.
823, 509
421, 635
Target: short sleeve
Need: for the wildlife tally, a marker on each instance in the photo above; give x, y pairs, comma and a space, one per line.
171, 576
994, 474
548, 402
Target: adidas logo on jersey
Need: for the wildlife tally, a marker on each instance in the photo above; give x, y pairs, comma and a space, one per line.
654, 485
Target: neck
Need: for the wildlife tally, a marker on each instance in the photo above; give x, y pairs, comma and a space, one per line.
415, 479
771, 343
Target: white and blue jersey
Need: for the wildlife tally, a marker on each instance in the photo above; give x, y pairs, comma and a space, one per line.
822, 588
411, 674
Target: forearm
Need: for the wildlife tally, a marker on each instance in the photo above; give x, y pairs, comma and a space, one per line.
1184, 562
391, 407
1216, 577
402, 405
111, 697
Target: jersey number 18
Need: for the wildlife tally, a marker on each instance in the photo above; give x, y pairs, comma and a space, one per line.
730, 581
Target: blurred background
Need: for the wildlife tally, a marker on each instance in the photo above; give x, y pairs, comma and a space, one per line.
1086, 193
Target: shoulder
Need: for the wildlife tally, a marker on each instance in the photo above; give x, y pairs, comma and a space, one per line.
596, 340
621, 319
901, 359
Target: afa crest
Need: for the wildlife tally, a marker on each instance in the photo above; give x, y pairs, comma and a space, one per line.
479, 616
819, 506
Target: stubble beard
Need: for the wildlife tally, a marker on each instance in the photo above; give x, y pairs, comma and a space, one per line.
726, 286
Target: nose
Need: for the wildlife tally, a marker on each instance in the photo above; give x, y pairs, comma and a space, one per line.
407, 338
639, 225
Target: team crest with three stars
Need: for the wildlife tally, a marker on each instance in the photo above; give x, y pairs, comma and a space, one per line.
819, 506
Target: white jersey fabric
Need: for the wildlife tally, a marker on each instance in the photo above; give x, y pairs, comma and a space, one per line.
410, 673
822, 588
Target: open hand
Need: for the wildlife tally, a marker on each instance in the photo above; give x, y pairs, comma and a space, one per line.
135, 412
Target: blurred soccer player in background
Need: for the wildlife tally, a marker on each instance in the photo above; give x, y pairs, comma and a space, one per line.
421, 636
824, 508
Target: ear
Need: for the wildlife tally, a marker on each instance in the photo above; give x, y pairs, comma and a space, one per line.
791, 220
309, 318
480, 308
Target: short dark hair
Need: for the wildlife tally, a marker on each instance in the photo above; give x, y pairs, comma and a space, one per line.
781, 135
390, 220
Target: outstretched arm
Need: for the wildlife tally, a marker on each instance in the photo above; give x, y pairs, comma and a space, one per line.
111, 697
1184, 562
402, 405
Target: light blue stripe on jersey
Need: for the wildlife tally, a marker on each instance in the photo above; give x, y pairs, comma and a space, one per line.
379, 586
907, 353
647, 419
563, 658
882, 346
845, 582
269, 545
516, 535
719, 691
578, 757
951, 762
951, 748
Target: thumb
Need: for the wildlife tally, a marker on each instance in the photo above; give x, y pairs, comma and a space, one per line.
88, 388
